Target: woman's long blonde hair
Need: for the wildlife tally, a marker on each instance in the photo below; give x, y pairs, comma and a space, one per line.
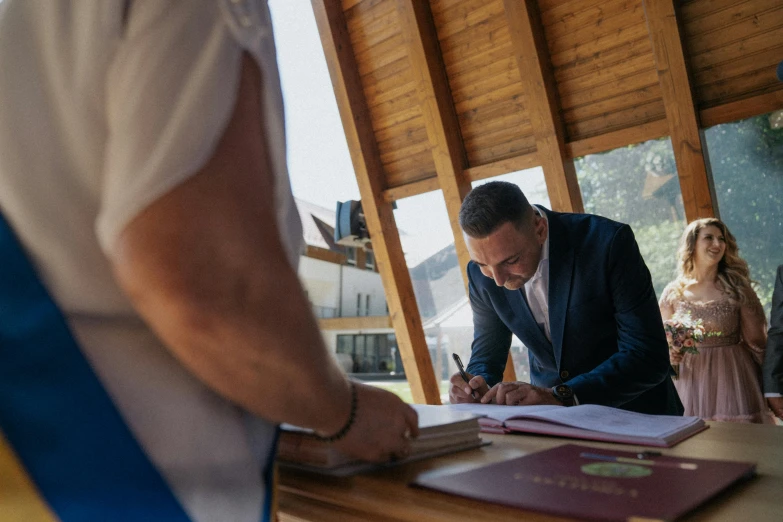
733, 274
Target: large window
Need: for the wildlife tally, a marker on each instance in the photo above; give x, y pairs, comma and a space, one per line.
428, 244
638, 185
372, 355
438, 283
746, 158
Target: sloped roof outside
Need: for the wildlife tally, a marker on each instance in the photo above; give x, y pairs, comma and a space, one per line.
313, 235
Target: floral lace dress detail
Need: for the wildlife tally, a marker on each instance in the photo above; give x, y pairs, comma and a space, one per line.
723, 381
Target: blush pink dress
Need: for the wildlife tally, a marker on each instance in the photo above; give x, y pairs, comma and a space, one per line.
723, 381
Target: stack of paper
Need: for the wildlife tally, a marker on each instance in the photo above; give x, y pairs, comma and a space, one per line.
441, 431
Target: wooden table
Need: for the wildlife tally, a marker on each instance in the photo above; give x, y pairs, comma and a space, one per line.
384, 495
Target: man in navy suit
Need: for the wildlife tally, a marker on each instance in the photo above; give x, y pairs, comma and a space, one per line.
773, 359
572, 287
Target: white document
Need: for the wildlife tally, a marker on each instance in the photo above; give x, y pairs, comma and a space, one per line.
502, 413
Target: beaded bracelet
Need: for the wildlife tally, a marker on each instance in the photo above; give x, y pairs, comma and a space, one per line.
351, 417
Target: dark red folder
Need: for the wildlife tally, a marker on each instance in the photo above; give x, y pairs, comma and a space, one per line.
596, 484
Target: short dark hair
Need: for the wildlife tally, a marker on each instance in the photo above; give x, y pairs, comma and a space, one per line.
488, 206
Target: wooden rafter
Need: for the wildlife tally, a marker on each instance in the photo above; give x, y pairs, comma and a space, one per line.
411, 189
355, 323
698, 193
324, 254
607, 85
440, 120
616, 139
378, 212
535, 71
739, 110
727, 113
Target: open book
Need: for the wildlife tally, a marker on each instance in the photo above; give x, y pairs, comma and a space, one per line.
587, 421
441, 431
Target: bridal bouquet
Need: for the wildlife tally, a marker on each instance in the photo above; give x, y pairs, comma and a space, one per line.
683, 333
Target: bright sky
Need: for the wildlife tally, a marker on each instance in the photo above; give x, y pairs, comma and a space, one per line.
318, 159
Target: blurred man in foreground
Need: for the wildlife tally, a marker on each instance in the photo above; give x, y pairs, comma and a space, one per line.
144, 202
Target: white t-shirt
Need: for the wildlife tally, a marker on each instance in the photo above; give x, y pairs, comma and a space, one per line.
104, 107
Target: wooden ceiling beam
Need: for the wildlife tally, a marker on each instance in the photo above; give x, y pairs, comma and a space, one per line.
441, 122
535, 71
616, 139
411, 189
688, 142
378, 212
711, 116
504, 166
742, 109
479, 172
369, 322
440, 117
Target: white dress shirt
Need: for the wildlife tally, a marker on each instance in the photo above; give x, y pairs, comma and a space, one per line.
537, 289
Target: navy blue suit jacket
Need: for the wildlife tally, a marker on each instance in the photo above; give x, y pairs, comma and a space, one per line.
773, 359
608, 342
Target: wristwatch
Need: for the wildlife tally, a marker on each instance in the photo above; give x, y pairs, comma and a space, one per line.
564, 394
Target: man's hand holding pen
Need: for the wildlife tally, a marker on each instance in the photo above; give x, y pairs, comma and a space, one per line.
469, 388
471, 391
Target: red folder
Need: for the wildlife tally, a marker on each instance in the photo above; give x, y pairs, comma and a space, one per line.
596, 484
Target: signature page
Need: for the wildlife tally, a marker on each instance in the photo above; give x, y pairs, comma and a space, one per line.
502, 413
612, 420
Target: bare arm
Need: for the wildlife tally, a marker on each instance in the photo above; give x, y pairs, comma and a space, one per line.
753, 326
206, 268
667, 311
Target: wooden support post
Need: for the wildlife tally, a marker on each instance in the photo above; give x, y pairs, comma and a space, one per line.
698, 192
440, 117
378, 212
361, 258
440, 120
543, 106
535, 71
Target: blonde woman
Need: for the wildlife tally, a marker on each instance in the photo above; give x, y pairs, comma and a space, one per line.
723, 381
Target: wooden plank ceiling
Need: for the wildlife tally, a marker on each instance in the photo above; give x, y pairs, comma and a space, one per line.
602, 63
436, 94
